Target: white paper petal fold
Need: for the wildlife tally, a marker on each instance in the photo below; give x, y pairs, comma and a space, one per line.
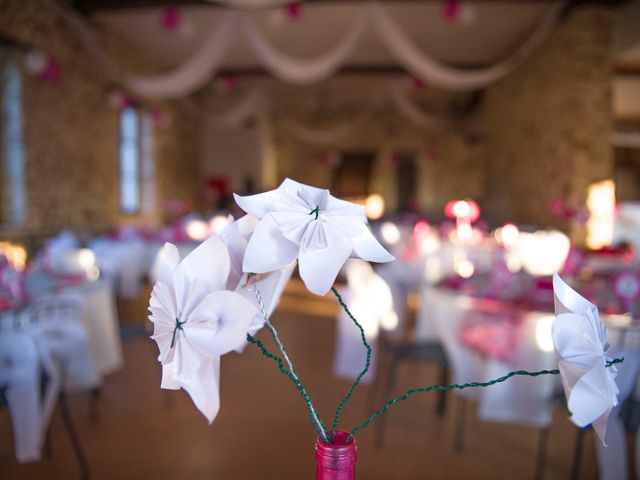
580, 339
196, 320
301, 222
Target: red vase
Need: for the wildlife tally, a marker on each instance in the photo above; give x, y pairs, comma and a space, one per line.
336, 461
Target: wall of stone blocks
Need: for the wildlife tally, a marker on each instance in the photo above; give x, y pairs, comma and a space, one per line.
542, 133
71, 132
547, 125
448, 166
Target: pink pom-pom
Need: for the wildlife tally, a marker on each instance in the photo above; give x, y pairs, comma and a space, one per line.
451, 10
171, 18
51, 73
293, 11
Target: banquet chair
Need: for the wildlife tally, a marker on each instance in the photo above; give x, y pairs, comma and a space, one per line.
61, 308
408, 349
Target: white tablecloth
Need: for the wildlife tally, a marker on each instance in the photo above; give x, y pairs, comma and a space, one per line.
124, 262
526, 400
88, 348
522, 400
99, 314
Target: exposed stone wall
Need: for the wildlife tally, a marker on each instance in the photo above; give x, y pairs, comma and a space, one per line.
544, 133
447, 165
547, 125
71, 132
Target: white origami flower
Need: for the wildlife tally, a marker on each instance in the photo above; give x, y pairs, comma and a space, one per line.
196, 320
307, 223
269, 286
580, 342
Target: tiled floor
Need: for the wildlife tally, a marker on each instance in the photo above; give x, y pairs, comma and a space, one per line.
262, 429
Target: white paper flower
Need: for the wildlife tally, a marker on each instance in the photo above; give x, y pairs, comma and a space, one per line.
196, 320
270, 285
580, 340
307, 223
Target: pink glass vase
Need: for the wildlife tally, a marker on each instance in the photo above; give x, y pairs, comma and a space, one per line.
336, 461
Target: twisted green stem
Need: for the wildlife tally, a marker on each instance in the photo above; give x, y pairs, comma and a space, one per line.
285, 355
456, 386
295, 381
346, 398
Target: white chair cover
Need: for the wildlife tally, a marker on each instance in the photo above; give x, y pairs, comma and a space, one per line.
369, 300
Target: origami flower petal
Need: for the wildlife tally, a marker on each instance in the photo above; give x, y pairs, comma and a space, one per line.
232, 316
579, 338
200, 377
236, 236
336, 206
168, 382
567, 299
297, 220
268, 249
204, 270
599, 404
319, 267
272, 285
195, 321
368, 248
169, 260
313, 196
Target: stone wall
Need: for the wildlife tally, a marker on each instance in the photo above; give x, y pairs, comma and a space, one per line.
71, 132
547, 125
543, 133
448, 166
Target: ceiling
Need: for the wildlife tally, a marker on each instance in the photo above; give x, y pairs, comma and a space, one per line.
489, 31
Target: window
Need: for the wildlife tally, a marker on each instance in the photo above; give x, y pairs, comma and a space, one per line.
12, 174
129, 160
147, 154
137, 164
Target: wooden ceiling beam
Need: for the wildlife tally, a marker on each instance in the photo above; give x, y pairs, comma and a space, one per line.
90, 6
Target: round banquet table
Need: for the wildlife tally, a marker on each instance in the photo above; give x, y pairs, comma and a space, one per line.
525, 400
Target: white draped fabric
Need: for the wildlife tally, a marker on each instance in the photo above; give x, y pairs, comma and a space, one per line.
324, 136
370, 301
400, 97
206, 61
250, 106
440, 75
519, 400
307, 71
56, 344
255, 102
195, 71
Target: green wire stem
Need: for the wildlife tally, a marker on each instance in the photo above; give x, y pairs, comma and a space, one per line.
285, 356
293, 379
504, 378
346, 398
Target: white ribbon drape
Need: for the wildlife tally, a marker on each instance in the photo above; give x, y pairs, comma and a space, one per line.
307, 71
437, 74
399, 96
195, 71
255, 102
205, 62
250, 106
